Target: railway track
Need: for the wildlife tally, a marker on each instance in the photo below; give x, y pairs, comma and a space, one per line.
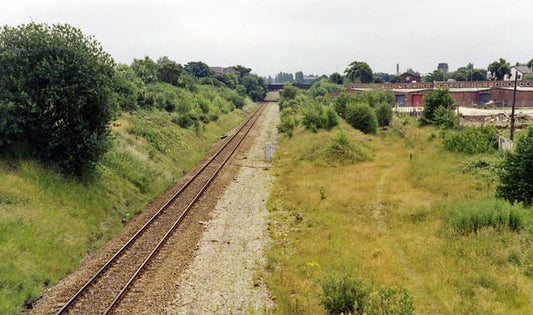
106, 288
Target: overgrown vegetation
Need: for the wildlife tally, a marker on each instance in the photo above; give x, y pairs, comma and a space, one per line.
417, 221
56, 88
126, 132
472, 140
516, 176
438, 109
472, 217
362, 117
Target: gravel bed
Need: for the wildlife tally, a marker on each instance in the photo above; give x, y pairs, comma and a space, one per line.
226, 273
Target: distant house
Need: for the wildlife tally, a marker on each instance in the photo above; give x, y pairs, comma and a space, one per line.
410, 77
220, 70
522, 71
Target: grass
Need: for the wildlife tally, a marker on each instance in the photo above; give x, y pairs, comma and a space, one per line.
48, 222
387, 220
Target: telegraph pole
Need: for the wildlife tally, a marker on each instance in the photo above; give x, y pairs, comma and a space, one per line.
514, 102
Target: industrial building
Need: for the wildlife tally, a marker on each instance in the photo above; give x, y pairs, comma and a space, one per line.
464, 93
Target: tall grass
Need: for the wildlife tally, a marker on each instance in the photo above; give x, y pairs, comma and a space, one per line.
49, 222
472, 216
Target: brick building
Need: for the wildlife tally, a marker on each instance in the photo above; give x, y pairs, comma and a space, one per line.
464, 93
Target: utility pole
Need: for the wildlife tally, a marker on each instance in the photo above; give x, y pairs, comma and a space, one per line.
514, 102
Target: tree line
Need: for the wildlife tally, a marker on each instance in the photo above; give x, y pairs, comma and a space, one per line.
59, 90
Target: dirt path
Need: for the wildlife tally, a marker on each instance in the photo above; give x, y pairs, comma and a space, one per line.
408, 269
226, 273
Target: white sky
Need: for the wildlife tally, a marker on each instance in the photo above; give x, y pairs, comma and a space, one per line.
313, 36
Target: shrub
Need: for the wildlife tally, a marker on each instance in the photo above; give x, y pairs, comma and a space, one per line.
516, 176
315, 117
341, 102
287, 125
472, 140
390, 301
58, 84
362, 117
444, 118
383, 114
470, 217
343, 294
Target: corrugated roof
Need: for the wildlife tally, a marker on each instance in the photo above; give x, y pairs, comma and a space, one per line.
523, 69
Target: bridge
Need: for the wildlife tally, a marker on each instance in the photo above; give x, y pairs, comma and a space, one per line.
279, 86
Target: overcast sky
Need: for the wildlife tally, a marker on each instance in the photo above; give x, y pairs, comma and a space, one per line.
314, 36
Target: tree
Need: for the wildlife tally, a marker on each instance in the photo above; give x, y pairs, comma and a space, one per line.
243, 71
516, 176
255, 87
229, 79
530, 63
432, 102
146, 69
336, 78
128, 87
358, 71
499, 69
381, 77
284, 77
169, 71
198, 69
56, 84
436, 75
299, 77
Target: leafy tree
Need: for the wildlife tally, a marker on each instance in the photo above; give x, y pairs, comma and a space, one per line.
198, 69
229, 79
299, 77
499, 69
395, 79
516, 176
336, 78
146, 69
383, 114
323, 87
530, 63
362, 116
56, 86
359, 71
255, 87
243, 71
284, 77
436, 75
381, 77
432, 101
128, 87
169, 71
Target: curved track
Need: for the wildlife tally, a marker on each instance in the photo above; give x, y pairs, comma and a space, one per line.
105, 289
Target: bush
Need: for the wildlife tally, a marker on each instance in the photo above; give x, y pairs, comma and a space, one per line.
342, 101
472, 216
516, 176
444, 118
472, 140
383, 114
344, 294
362, 117
390, 301
57, 85
315, 117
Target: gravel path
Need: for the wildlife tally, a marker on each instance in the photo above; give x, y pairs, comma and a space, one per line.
225, 275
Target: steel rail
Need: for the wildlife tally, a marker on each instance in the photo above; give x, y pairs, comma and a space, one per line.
163, 240
69, 303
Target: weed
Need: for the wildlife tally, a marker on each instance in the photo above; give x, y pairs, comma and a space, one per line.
344, 293
390, 301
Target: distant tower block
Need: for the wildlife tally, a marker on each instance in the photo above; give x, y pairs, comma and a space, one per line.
442, 67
